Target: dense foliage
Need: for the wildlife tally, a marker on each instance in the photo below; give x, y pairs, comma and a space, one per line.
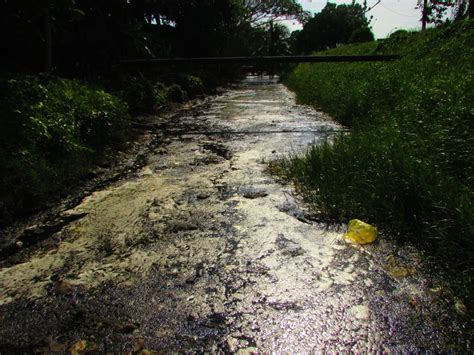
50, 129
54, 130
436, 11
333, 26
85, 38
408, 165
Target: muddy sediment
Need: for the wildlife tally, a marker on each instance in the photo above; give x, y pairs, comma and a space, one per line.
201, 250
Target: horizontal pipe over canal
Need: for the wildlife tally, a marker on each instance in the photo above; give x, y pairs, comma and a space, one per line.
265, 59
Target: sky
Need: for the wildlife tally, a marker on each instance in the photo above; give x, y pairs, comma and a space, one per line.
389, 15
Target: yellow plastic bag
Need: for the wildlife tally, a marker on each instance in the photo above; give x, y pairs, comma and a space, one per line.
359, 232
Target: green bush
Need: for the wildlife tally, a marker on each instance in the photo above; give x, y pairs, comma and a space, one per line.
51, 129
176, 94
159, 94
361, 35
408, 165
143, 95
193, 85
210, 80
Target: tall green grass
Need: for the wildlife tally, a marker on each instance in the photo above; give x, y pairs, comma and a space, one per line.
408, 165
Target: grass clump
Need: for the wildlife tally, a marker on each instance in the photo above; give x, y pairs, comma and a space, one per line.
51, 130
408, 165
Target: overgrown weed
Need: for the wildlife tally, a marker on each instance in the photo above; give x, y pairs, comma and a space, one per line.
408, 164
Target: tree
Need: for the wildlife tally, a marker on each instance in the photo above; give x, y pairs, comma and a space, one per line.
333, 26
86, 37
27, 28
463, 8
435, 11
271, 39
203, 27
257, 11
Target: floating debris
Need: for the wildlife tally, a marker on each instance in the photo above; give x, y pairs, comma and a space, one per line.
395, 269
460, 307
81, 347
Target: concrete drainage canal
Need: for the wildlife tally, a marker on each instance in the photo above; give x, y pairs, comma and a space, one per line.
201, 250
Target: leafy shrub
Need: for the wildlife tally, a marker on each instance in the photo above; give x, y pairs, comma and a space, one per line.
51, 129
209, 79
176, 93
193, 85
361, 35
399, 34
142, 95
172, 86
159, 94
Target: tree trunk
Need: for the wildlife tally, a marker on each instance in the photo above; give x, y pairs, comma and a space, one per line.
470, 9
271, 48
424, 16
48, 60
